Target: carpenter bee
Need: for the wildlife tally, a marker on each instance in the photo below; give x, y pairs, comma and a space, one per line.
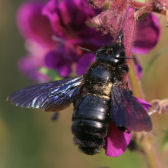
99, 96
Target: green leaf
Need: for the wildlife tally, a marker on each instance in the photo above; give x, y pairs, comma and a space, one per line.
52, 74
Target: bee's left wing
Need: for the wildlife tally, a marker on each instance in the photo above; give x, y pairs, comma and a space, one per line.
126, 111
52, 96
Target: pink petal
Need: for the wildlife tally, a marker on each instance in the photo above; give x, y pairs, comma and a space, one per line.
33, 25
68, 17
145, 104
29, 66
116, 141
84, 63
61, 59
147, 34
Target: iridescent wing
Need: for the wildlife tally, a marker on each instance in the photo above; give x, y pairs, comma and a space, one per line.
53, 96
126, 111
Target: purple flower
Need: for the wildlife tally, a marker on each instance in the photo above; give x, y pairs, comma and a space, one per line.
52, 25
68, 17
142, 34
147, 34
37, 31
117, 140
145, 104
33, 25
84, 63
68, 20
60, 28
28, 65
62, 59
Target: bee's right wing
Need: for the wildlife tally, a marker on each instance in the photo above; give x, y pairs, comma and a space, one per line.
126, 111
53, 96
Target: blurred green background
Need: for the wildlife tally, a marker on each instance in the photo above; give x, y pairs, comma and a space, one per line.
29, 139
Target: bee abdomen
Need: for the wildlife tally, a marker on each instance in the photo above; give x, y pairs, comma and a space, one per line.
90, 123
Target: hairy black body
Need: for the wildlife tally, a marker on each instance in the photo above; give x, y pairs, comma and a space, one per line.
91, 112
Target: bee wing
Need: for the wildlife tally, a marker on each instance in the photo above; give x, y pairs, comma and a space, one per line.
51, 96
126, 111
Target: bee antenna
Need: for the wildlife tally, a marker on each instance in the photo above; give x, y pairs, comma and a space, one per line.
87, 50
120, 37
130, 58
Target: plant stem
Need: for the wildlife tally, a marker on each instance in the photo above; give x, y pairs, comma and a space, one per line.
151, 156
134, 81
145, 139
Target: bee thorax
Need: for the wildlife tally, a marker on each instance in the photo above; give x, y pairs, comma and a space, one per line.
98, 80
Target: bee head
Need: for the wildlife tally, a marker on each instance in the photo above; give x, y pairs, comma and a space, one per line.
113, 54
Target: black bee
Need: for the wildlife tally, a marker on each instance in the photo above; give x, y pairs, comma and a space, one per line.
98, 96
